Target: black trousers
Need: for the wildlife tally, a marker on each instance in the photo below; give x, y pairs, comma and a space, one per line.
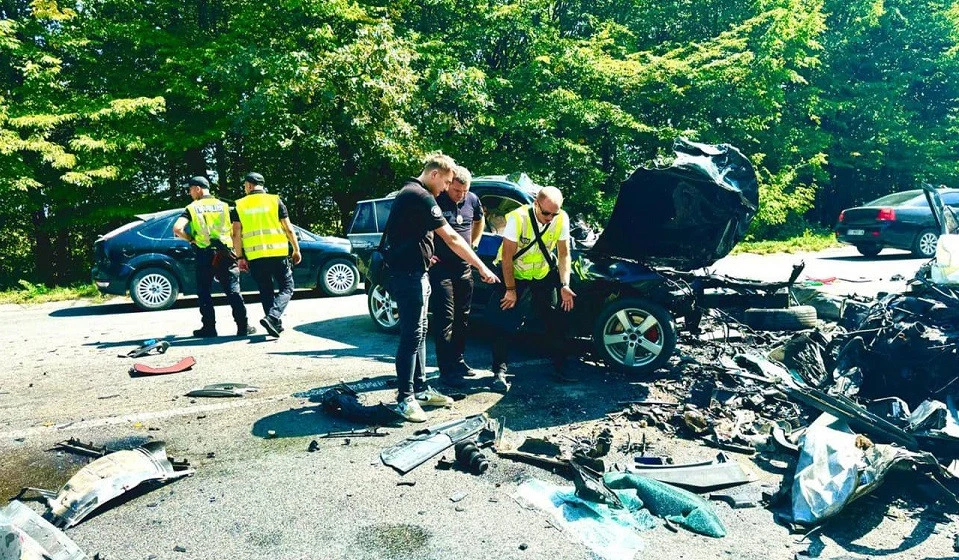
266, 270
536, 300
451, 301
227, 274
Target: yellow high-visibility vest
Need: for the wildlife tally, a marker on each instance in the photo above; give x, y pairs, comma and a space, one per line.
209, 220
263, 235
532, 265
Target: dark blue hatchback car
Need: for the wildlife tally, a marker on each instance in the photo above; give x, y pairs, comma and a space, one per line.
145, 259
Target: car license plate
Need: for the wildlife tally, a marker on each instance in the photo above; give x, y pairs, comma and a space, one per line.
856, 232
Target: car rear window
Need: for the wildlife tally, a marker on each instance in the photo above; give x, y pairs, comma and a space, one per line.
158, 228
909, 198
121, 229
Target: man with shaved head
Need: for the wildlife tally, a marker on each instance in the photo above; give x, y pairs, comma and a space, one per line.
535, 281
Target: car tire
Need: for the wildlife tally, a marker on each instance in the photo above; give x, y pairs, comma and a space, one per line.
338, 277
383, 309
868, 250
794, 318
618, 340
154, 289
925, 244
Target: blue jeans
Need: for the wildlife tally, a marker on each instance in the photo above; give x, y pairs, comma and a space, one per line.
265, 271
411, 292
227, 274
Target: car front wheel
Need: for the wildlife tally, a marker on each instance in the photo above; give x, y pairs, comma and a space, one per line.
154, 289
383, 310
925, 244
339, 277
634, 335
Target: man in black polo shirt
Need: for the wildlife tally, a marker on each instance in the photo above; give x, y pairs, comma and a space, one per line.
451, 278
408, 249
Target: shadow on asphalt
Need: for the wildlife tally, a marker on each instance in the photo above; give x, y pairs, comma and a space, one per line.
863, 516
180, 341
877, 258
299, 422
181, 303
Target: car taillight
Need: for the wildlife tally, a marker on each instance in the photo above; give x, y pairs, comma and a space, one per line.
842, 215
886, 215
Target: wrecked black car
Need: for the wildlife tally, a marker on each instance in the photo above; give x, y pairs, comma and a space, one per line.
633, 282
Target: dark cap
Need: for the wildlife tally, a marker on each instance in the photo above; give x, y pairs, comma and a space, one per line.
254, 178
198, 181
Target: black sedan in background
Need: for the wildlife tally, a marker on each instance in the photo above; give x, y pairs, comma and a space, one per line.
145, 259
900, 220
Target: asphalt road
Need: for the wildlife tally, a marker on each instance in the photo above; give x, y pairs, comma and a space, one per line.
843, 270
255, 496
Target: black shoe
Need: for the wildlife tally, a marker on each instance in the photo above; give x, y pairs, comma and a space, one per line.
499, 382
270, 325
205, 332
463, 369
245, 330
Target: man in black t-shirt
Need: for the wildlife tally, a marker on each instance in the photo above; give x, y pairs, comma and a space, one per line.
451, 278
408, 248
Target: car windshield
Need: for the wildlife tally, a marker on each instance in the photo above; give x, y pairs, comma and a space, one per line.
908, 198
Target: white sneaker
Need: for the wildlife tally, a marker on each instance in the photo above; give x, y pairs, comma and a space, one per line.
432, 397
410, 409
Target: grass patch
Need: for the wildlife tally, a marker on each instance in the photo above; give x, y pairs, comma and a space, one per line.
39, 293
809, 241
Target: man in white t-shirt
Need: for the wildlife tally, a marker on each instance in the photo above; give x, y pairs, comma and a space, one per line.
535, 281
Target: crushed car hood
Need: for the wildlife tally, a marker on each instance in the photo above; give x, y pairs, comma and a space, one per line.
687, 215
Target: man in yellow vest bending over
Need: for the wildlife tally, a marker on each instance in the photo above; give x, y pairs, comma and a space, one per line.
262, 233
535, 282
209, 221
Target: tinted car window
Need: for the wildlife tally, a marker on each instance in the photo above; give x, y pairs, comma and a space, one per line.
951, 199
364, 221
160, 228
897, 199
302, 234
495, 208
383, 208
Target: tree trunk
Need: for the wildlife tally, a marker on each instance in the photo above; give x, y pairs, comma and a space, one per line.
43, 248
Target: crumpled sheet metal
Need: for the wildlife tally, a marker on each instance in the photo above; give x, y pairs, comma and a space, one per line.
24, 535
109, 477
836, 466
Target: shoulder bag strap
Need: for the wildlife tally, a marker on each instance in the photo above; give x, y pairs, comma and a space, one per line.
539, 239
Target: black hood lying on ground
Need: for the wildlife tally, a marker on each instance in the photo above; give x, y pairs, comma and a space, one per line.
685, 216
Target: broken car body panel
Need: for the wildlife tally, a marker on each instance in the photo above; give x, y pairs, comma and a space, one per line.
688, 215
414, 451
109, 477
24, 535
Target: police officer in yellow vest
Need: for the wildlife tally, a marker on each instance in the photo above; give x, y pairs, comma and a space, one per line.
262, 233
210, 234
532, 280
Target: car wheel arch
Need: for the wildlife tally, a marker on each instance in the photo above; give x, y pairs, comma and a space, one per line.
621, 334
925, 243
328, 263
159, 303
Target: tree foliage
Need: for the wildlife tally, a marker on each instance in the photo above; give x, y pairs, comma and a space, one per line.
106, 106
